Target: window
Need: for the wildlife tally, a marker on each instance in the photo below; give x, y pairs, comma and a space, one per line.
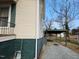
4, 15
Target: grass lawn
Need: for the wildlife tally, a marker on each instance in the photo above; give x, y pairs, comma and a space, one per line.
72, 46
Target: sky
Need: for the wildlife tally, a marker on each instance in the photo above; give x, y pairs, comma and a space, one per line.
51, 14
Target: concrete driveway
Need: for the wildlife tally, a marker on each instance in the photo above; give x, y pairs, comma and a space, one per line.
58, 52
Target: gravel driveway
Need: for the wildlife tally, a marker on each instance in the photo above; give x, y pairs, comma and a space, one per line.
58, 52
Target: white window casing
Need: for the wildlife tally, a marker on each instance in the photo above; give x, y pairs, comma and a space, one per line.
9, 16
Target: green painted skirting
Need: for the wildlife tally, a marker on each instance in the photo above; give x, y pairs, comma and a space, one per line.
28, 49
8, 48
17, 44
40, 43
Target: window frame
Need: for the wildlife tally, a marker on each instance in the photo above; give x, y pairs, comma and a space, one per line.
9, 15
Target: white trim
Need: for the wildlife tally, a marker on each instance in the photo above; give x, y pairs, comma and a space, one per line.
37, 29
6, 38
38, 21
9, 16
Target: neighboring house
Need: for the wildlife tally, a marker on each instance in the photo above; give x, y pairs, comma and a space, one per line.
75, 34
75, 37
21, 28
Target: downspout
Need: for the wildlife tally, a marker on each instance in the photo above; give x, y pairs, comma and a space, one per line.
37, 29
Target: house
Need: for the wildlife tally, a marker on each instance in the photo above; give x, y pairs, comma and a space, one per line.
21, 29
74, 35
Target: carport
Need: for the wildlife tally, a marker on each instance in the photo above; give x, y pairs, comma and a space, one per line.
56, 32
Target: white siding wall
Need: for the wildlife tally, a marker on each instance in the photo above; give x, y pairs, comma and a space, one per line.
26, 15
28, 19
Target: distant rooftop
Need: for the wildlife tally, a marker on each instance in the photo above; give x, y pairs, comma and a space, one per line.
57, 31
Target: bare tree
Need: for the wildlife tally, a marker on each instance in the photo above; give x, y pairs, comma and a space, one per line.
67, 11
48, 24
60, 20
